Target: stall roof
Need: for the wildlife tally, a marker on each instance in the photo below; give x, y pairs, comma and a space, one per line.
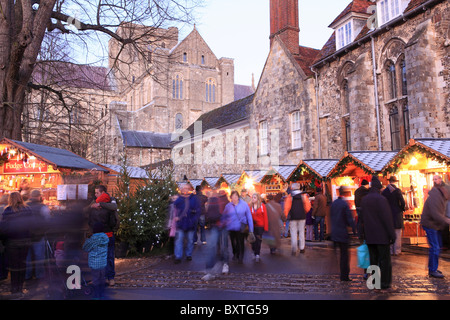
195, 182
257, 175
231, 178
285, 171
374, 160
133, 172
321, 167
211, 181
54, 156
441, 146
438, 147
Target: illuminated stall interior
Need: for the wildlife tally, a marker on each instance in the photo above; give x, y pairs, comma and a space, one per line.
26, 166
353, 168
414, 166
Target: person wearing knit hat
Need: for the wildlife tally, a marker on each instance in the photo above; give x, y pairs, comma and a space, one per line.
378, 230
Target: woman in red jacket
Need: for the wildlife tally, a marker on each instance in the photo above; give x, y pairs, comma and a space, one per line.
260, 222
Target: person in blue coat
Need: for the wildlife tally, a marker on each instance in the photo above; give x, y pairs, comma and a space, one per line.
188, 210
341, 218
237, 217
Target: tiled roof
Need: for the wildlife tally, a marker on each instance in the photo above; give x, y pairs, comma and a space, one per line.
59, 157
211, 181
321, 167
65, 74
144, 139
233, 112
133, 172
195, 182
375, 160
242, 91
231, 178
306, 58
440, 145
285, 171
356, 6
256, 175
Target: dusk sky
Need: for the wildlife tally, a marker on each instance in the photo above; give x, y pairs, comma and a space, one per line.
239, 29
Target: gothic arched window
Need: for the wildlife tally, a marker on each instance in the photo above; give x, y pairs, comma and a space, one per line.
177, 87
404, 81
394, 120
392, 80
210, 90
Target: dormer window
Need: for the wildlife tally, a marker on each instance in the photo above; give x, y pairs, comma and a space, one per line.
388, 10
344, 35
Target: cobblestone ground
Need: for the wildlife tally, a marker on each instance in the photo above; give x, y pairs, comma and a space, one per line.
316, 272
279, 283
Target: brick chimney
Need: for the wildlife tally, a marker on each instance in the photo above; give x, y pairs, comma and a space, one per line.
285, 23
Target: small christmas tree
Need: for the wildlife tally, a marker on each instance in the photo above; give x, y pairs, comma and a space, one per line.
144, 211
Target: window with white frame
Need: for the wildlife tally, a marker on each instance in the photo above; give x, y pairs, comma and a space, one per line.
263, 138
389, 9
296, 135
344, 35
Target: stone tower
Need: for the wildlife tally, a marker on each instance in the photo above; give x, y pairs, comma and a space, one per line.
284, 22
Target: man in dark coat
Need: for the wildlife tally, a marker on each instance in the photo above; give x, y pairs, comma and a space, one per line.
378, 230
341, 218
395, 198
433, 220
360, 193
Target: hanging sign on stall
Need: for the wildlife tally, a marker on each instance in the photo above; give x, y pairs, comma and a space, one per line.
20, 166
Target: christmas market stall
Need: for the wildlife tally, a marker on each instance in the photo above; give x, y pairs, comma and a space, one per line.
228, 181
195, 183
414, 167
137, 176
252, 181
209, 183
353, 168
311, 174
58, 173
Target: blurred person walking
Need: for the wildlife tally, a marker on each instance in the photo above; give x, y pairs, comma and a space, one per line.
433, 220
397, 202
276, 218
378, 230
239, 223
341, 218
36, 253
201, 220
3, 268
15, 231
213, 218
296, 206
188, 210
318, 214
260, 223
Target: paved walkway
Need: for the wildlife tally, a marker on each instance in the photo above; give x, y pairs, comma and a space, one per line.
314, 272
